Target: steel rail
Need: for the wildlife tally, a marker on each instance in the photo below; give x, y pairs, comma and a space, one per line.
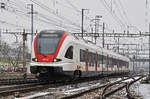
130, 96
90, 90
104, 94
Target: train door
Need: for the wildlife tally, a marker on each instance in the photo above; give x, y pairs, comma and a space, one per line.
76, 55
107, 62
82, 58
96, 61
86, 60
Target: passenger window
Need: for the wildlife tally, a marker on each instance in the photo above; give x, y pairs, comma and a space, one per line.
82, 55
90, 58
69, 53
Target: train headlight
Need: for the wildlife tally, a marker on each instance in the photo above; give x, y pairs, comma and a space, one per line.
35, 59
56, 60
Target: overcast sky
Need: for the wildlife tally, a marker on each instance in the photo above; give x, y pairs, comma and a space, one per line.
118, 15
131, 13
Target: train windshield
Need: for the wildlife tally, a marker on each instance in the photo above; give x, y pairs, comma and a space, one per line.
47, 43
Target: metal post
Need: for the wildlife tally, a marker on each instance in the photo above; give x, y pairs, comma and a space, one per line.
103, 46
136, 57
92, 33
95, 30
133, 66
32, 28
82, 21
118, 44
149, 50
103, 34
31, 25
0, 36
24, 48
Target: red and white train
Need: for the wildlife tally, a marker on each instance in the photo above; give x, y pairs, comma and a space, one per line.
58, 54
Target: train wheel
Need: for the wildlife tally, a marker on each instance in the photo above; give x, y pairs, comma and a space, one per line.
77, 74
43, 77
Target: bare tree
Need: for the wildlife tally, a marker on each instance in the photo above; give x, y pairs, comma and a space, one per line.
11, 54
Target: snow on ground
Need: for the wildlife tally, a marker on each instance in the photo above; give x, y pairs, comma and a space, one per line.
72, 91
35, 95
144, 90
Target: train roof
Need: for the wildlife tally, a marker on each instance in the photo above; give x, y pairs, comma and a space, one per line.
53, 31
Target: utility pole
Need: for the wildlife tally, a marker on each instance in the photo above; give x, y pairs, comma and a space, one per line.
82, 21
24, 47
0, 36
118, 44
92, 32
133, 66
103, 44
32, 24
95, 28
103, 34
149, 50
32, 29
82, 27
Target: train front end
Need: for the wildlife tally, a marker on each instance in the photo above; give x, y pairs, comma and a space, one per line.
45, 61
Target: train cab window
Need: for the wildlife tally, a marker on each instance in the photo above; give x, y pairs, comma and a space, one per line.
69, 53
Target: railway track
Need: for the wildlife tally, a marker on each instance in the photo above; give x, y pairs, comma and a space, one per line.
11, 79
117, 87
10, 90
28, 86
14, 81
106, 89
31, 84
129, 94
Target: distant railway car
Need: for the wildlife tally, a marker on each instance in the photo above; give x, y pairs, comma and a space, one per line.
58, 54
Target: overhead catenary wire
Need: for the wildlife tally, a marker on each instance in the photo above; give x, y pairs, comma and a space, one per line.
122, 16
124, 12
22, 13
76, 9
43, 6
115, 17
